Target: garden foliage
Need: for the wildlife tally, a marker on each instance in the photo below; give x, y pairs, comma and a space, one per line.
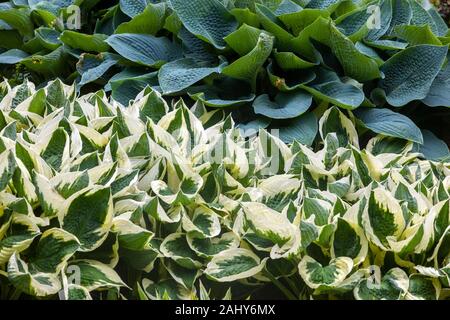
275, 64
158, 201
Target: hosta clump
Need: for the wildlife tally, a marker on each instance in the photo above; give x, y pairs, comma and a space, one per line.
165, 202
272, 62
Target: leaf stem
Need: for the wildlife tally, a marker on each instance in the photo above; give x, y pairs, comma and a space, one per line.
280, 286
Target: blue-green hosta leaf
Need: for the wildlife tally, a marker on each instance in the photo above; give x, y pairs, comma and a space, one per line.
89, 217
149, 21
244, 39
223, 94
95, 275
297, 21
323, 4
316, 275
273, 24
439, 94
18, 19
211, 247
354, 22
93, 67
126, 88
284, 106
234, 264
291, 61
207, 19
329, 87
144, 49
13, 56
410, 73
359, 66
401, 14
252, 128
287, 6
349, 241
176, 247
246, 68
133, 7
302, 129
392, 286
355, 64
51, 64
389, 123
383, 218
415, 35
434, 148
420, 16
385, 18
441, 25
387, 44
19, 240
85, 42
268, 223
181, 74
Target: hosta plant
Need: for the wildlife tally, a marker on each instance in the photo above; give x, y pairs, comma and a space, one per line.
273, 63
158, 201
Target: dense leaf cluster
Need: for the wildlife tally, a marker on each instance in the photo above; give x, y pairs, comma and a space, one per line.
274, 63
153, 201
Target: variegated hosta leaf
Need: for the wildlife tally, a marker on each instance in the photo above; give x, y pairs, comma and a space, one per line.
93, 193
184, 276
23, 232
89, 217
204, 223
278, 190
95, 275
206, 247
316, 275
36, 284
40, 275
76, 292
349, 241
234, 264
393, 286
423, 288
7, 166
187, 190
268, 223
176, 247
334, 121
383, 218
135, 244
166, 290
